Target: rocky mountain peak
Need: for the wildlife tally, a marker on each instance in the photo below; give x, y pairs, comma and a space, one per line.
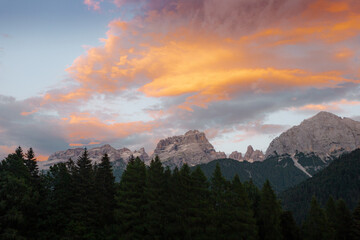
192, 148
324, 134
251, 155
249, 152
95, 154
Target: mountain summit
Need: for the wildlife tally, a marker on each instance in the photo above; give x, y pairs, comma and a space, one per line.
324, 134
192, 148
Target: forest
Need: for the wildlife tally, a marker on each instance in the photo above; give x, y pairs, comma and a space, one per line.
81, 200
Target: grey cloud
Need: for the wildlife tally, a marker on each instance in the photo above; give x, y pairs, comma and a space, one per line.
248, 107
40, 132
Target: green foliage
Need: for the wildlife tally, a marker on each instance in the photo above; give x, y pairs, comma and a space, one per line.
155, 192
344, 222
84, 213
339, 180
356, 223
316, 226
105, 193
82, 201
289, 229
269, 214
281, 174
131, 201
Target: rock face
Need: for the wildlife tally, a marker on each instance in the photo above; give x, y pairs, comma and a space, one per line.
192, 148
325, 134
251, 155
95, 154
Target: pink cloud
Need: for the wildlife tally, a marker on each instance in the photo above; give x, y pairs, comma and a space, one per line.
92, 4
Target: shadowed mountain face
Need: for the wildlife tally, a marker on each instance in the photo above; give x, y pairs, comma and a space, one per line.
282, 171
340, 179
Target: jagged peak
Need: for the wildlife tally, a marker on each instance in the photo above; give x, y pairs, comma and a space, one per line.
192, 132
323, 115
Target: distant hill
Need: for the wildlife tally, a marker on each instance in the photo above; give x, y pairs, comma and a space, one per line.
282, 171
341, 179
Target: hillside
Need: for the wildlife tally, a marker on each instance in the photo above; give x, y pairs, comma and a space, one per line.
282, 171
341, 179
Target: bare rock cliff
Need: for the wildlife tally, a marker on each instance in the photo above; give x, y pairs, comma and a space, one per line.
251, 155
324, 134
192, 148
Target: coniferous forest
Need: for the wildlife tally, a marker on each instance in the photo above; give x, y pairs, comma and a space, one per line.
81, 200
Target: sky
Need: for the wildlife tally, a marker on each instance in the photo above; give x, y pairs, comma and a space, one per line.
82, 73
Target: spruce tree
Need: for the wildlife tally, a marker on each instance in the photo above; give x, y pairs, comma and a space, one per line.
17, 198
356, 223
289, 229
105, 192
344, 221
84, 217
330, 210
241, 223
19, 152
254, 196
172, 228
31, 163
219, 187
199, 217
316, 226
130, 214
269, 214
155, 193
184, 196
59, 203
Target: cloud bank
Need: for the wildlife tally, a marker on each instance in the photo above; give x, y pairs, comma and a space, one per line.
218, 66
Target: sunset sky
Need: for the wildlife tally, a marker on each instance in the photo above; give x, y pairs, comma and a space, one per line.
78, 73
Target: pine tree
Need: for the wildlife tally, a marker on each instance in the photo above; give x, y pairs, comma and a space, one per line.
59, 203
316, 226
219, 187
254, 196
154, 192
185, 199
238, 217
289, 229
269, 214
30, 162
84, 216
172, 228
17, 197
199, 217
356, 223
330, 210
344, 221
105, 191
130, 198
19, 152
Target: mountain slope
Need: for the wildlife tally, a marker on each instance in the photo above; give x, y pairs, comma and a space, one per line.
192, 148
341, 179
325, 134
95, 154
282, 171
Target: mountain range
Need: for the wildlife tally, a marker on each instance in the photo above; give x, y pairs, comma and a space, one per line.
297, 154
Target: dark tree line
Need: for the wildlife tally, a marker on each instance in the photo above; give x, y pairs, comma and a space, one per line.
80, 200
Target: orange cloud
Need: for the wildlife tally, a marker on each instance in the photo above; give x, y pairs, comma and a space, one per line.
332, 106
82, 144
344, 53
83, 126
42, 158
